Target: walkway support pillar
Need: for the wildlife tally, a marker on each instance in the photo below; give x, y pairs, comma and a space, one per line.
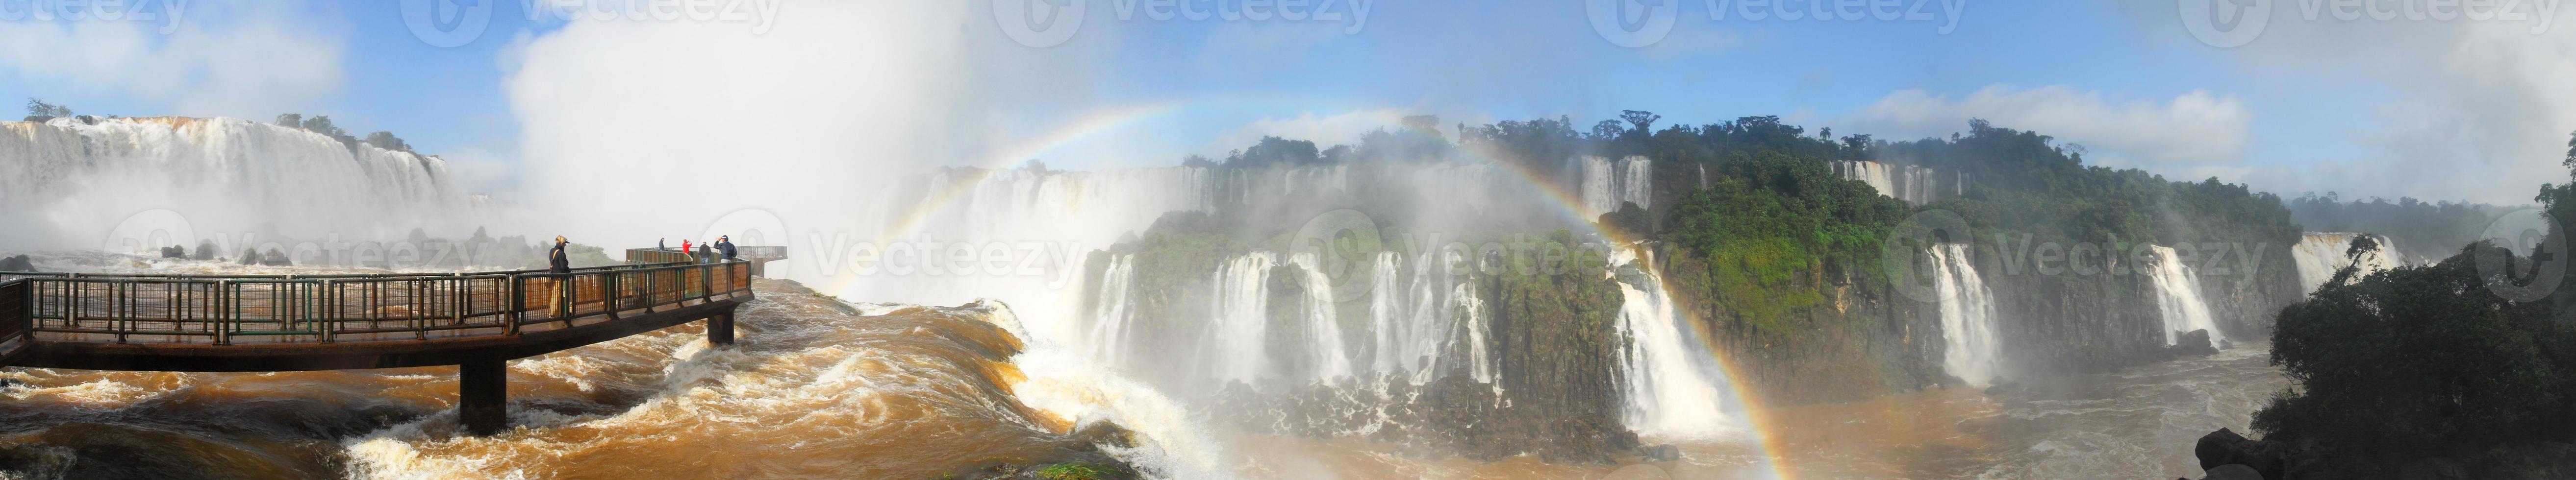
720, 329
483, 395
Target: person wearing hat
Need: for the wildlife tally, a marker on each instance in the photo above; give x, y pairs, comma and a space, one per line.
724, 245
556, 261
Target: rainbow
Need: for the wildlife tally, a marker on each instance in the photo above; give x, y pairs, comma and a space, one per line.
1567, 203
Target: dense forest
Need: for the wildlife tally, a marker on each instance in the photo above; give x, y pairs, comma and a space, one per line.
2428, 368
2427, 230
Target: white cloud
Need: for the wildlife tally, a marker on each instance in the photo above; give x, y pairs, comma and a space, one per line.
243, 59
2461, 110
2193, 135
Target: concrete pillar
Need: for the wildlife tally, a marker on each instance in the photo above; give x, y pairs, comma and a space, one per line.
483, 395
720, 329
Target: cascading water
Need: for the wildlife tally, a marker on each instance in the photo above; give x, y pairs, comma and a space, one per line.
1607, 183
2320, 254
1973, 350
1325, 343
70, 180
1242, 320
1674, 386
2178, 297
1110, 314
1910, 183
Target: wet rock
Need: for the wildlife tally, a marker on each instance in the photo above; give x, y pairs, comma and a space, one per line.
2233, 472
1105, 434
174, 251
17, 264
250, 257
2224, 447
2194, 343
1662, 453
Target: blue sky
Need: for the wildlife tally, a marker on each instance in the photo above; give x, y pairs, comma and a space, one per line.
2363, 107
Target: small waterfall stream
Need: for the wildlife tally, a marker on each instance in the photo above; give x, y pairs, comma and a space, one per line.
1674, 386
1973, 350
2178, 297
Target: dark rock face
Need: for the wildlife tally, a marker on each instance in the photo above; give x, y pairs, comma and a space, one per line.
17, 264
174, 251
2233, 472
2194, 343
2225, 447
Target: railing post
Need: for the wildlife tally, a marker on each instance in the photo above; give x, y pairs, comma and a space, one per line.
518, 304
222, 311
328, 298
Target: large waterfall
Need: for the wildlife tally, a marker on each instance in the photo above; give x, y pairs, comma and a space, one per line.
1973, 350
2178, 297
71, 181
1674, 386
1913, 184
2320, 254
1606, 183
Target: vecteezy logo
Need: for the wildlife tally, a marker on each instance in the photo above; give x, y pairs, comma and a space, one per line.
2226, 23
1623, 25
447, 23
1903, 254
2531, 257
1343, 242
1039, 23
148, 231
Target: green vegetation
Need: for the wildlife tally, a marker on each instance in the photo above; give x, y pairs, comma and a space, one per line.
1771, 230
1077, 471
2424, 361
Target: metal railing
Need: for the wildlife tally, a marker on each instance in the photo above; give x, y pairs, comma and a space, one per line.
274, 309
668, 255
15, 310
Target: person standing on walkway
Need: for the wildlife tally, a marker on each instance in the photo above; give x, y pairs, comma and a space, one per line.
662, 243
724, 245
705, 255
556, 260
559, 262
684, 250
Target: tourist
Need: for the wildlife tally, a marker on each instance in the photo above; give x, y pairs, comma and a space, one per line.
684, 249
724, 245
705, 255
556, 261
662, 243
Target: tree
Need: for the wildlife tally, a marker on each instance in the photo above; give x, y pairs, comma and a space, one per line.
1644, 120
322, 124
1606, 130
295, 120
387, 140
1826, 133
38, 108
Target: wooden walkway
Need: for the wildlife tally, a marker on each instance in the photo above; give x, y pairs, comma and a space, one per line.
248, 323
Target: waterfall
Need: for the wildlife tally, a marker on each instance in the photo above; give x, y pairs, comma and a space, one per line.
70, 181
1913, 184
1242, 301
2178, 297
1674, 386
1607, 183
1973, 350
1110, 314
1325, 343
2320, 254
